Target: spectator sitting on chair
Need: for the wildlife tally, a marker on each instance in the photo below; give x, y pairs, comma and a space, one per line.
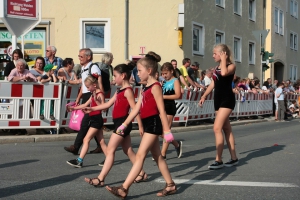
294, 109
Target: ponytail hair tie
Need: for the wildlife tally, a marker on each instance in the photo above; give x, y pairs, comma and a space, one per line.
95, 76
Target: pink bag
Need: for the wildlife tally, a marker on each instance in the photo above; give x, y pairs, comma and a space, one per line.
76, 118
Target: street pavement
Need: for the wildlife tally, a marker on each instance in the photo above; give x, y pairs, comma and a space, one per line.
268, 168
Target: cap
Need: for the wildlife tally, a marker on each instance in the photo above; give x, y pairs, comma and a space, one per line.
48, 67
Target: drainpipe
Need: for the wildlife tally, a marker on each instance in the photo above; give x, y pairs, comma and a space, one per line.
126, 28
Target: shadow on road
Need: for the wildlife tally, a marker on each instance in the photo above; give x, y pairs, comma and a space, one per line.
21, 162
27, 187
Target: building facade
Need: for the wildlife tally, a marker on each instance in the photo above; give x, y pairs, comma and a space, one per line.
172, 28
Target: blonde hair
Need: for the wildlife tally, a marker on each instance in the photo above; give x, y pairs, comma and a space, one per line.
225, 48
91, 79
107, 57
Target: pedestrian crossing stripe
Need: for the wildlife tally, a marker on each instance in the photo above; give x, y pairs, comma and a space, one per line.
230, 183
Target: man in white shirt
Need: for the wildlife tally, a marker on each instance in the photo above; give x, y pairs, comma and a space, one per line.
280, 99
85, 57
207, 78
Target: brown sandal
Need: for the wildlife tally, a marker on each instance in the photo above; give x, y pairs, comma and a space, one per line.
143, 179
115, 191
165, 192
90, 181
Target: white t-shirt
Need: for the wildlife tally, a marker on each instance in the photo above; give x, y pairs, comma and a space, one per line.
85, 72
207, 81
36, 73
292, 106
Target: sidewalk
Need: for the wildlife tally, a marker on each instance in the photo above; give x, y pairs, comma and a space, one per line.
32, 137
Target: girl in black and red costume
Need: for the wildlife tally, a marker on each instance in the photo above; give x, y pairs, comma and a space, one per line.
96, 120
122, 100
151, 108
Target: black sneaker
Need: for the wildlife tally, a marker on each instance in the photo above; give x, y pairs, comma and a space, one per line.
179, 149
102, 163
75, 163
216, 165
231, 163
164, 157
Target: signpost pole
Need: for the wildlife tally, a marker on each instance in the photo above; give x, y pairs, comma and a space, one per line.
14, 42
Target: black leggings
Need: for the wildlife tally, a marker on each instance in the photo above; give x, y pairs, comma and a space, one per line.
85, 125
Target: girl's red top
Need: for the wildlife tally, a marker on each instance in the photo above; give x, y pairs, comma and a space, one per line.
93, 104
148, 107
121, 105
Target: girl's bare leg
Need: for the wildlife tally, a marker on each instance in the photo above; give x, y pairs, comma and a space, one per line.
101, 140
86, 141
113, 144
165, 145
221, 116
229, 139
127, 149
146, 144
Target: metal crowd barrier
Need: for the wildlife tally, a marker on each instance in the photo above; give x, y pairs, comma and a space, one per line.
21, 102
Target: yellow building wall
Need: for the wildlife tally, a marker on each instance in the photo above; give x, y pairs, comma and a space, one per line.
269, 21
151, 24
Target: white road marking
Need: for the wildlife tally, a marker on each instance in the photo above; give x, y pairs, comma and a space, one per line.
230, 183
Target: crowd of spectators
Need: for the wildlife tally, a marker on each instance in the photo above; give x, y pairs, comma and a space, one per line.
190, 75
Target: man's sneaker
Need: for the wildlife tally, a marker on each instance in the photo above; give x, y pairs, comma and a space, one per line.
102, 163
164, 157
75, 163
179, 149
231, 163
216, 165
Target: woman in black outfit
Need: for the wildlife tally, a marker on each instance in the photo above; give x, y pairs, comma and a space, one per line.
17, 54
224, 103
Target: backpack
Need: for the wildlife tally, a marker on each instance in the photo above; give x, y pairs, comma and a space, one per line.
104, 68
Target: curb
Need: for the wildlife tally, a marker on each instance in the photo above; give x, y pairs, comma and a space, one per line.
134, 133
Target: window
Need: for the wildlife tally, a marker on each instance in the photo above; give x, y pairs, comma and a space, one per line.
220, 37
220, 3
251, 53
294, 8
252, 9
293, 73
294, 41
95, 34
237, 7
198, 39
237, 49
278, 21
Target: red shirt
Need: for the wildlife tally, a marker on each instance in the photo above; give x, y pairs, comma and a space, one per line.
148, 107
93, 104
121, 105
